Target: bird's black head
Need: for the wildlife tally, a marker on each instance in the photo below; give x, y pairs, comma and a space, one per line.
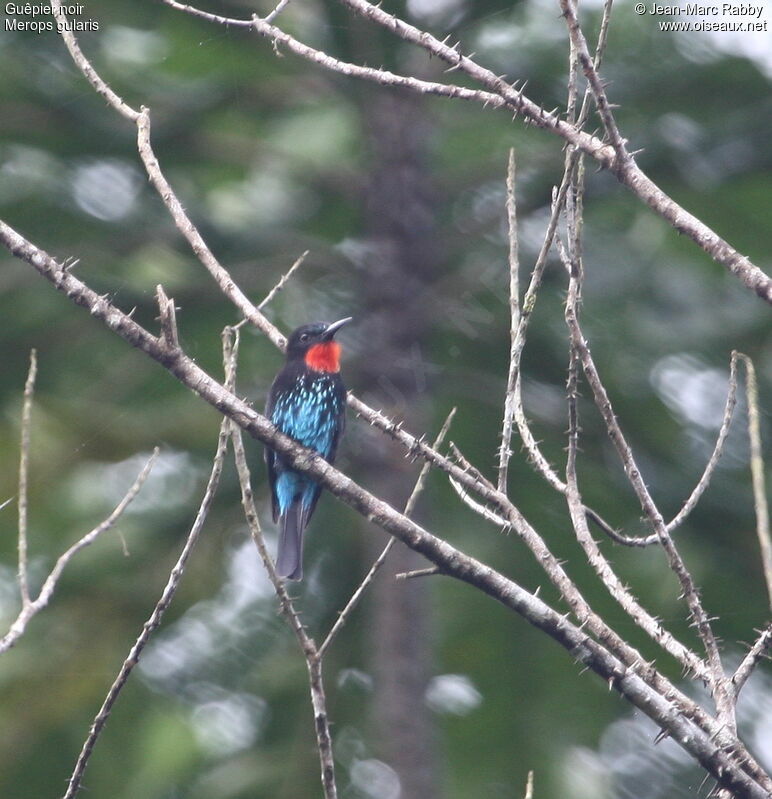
308, 336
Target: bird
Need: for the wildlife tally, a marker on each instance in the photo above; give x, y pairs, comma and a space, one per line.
307, 401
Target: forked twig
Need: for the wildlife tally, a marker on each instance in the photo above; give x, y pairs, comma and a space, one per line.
153, 622
690, 661
719, 683
589, 68
31, 607
34, 606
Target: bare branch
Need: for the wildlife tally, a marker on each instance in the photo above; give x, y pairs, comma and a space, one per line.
312, 655
627, 172
702, 483
642, 685
529, 786
193, 237
281, 5
85, 67
502, 93
572, 159
285, 277
757, 472
154, 620
411, 575
184, 225
579, 44
751, 660
513, 375
381, 559
32, 607
26, 422
621, 593
720, 689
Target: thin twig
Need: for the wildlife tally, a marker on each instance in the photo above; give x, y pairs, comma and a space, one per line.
142, 120
284, 278
26, 423
33, 607
513, 374
702, 483
280, 6
751, 660
194, 238
411, 575
65, 29
381, 559
154, 620
478, 507
715, 455
560, 194
757, 472
529, 786
168, 318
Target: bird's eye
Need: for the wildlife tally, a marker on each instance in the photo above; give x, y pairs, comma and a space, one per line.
304, 337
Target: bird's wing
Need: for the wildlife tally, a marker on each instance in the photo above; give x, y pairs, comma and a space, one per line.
339, 423
270, 455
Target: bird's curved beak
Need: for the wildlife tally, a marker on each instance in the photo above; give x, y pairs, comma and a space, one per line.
333, 328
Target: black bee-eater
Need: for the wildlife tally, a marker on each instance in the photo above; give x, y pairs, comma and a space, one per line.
307, 401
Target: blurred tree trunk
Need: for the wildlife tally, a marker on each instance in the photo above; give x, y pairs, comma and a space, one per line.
401, 264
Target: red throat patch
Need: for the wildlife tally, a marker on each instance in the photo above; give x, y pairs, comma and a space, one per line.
324, 357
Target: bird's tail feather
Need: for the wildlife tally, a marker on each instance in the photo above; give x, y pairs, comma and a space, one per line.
289, 559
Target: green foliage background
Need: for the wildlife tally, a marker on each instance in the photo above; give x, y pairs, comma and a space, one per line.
269, 157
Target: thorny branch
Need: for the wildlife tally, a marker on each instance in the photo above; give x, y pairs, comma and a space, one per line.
499, 93
642, 685
571, 256
712, 742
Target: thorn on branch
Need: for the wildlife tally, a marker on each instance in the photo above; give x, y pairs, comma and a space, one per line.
168, 319
417, 573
